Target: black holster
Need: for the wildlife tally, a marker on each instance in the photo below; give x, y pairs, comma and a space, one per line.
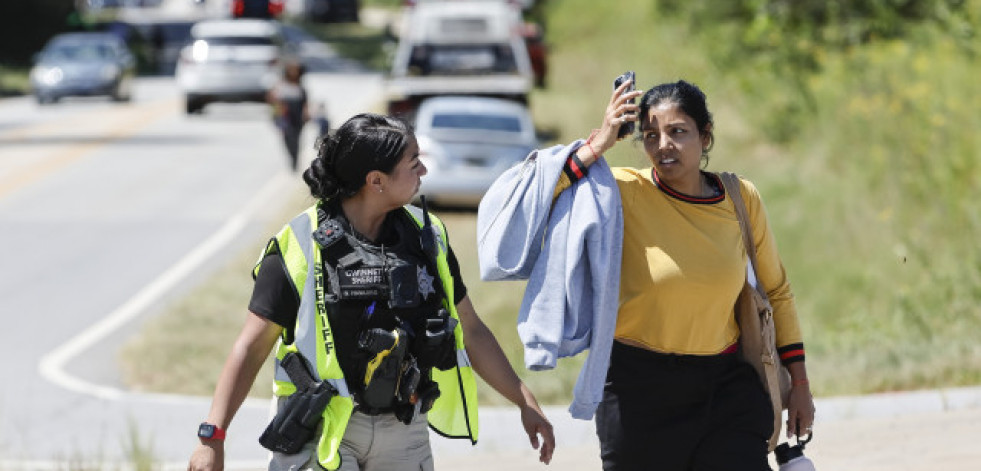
296, 421
436, 347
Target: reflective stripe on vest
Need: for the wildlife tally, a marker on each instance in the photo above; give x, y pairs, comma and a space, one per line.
312, 334
454, 414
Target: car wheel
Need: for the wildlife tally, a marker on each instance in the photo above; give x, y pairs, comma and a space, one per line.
122, 94
119, 97
193, 105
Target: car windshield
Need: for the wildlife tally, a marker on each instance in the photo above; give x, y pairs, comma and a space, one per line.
462, 59
85, 51
478, 122
238, 41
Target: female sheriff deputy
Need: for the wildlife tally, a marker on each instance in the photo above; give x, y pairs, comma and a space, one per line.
355, 293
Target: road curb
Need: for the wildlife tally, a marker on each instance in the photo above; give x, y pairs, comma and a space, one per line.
500, 427
897, 404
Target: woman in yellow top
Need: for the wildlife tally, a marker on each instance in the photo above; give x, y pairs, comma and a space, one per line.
677, 394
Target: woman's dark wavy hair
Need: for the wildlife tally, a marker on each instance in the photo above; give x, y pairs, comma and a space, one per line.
687, 96
364, 143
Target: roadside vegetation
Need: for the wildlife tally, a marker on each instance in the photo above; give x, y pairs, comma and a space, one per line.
24, 28
369, 45
856, 119
14, 80
137, 448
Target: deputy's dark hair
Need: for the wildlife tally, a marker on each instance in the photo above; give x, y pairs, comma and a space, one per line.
364, 143
687, 96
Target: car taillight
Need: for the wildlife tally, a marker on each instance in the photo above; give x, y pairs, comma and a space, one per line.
275, 7
401, 107
238, 8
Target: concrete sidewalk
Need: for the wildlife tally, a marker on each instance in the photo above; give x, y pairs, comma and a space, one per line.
919, 431
920, 442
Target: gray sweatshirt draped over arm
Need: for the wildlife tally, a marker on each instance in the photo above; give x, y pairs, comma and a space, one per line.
569, 250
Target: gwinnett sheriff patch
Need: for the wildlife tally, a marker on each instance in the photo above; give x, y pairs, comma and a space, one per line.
362, 283
425, 282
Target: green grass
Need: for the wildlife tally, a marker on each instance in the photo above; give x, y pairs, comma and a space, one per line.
170, 355
381, 3
138, 455
370, 46
893, 168
14, 80
139, 451
872, 195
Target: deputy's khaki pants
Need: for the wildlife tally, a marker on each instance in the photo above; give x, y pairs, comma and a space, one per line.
370, 443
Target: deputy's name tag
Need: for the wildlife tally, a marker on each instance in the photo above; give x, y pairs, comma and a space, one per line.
363, 283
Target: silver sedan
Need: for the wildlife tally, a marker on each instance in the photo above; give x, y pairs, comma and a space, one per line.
466, 142
83, 64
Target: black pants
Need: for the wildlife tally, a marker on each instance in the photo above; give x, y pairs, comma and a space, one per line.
682, 413
291, 137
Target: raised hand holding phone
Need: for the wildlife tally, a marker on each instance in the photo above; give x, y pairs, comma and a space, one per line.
627, 128
621, 113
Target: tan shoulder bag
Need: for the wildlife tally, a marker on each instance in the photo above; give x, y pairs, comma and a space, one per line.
754, 314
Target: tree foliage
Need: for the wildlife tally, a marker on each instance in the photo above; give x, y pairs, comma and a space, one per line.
789, 39
797, 28
25, 25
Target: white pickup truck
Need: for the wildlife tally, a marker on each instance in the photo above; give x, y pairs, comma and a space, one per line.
459, 48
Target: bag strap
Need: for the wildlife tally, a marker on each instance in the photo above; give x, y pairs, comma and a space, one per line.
731, 183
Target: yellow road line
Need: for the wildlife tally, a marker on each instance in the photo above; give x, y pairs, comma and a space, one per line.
46, 127
33, 173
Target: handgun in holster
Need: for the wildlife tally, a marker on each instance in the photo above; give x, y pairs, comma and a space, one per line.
296, 421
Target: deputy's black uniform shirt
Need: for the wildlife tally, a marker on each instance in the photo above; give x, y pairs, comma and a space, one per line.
274, 298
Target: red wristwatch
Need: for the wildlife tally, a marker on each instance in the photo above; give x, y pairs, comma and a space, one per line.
210, 431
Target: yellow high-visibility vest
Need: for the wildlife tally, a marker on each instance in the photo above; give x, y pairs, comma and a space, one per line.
454, 414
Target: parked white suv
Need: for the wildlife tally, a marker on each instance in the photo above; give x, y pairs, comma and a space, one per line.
229, 61
459, 48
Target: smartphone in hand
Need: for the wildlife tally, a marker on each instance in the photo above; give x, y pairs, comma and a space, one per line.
626, 128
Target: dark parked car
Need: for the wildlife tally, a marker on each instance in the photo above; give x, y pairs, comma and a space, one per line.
333, 11
83, 64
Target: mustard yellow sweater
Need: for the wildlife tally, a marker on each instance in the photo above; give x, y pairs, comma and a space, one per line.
684, 264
